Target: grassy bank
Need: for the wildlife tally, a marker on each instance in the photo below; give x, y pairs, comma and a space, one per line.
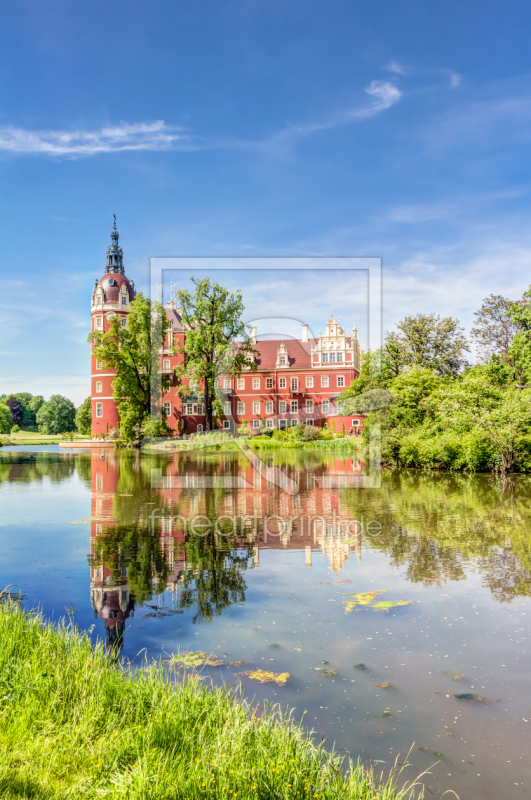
73, 725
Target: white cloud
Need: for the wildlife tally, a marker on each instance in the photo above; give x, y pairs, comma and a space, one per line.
136, 136
394, 66
159, 136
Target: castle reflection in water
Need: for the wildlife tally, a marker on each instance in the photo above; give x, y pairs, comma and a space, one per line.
164, 502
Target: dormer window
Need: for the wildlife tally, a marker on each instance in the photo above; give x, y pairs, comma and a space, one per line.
124, 300
282, 361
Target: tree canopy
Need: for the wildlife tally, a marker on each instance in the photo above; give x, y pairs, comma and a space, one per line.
84, 416
57, 415
216, 343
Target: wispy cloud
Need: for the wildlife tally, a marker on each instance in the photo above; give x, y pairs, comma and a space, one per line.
161, 136
125, 136
394, 66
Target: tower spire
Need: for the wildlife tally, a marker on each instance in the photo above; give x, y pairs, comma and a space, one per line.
115, 256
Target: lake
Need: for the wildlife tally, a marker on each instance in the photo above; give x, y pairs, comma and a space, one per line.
399, 612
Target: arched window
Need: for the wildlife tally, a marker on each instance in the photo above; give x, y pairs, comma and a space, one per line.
200, 428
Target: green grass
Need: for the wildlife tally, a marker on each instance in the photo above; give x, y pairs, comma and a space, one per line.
34, 437
74, 725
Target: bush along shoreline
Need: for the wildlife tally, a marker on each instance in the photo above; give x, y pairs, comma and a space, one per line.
76, 724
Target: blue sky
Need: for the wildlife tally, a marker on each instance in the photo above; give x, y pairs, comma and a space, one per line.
279, 128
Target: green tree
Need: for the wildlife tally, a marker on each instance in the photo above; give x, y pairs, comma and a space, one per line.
428, 341
57, 415
216, 342
503, 414
84, 416
134, 352
6, 420
495, 327
34, 404
520, 349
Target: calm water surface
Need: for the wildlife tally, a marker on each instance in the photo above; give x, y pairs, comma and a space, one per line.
113, 535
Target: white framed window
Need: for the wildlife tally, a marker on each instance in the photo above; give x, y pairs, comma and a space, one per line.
309, 422
200, 408
226, 383
99, 300
200, 428
98, 386
340, 380
166, 363
293, 422
282, 423
124, 300
226, 409
99, 409
332, 358
294, 406
99, 364
269, 383
241, 383
281, 383
124, 321
309, 382
294, 384
256, 408
282, 361
282, 407
256, 423
269, 423
188, 408
167, 409
355, 423
226, 424
256, 383
269, 407
324, 381
99, 322
325, 406
241, 408
324, 358
340, 358
309, 406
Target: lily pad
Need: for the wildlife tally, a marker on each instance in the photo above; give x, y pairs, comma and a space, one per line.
265, 677
274, 646
467, 696
360, 666
196, 659
329, 673
383, 685
385, 605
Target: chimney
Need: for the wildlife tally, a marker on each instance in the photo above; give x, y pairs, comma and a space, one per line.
254, 331
304, 331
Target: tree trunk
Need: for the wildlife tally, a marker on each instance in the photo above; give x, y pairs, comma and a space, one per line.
208, 407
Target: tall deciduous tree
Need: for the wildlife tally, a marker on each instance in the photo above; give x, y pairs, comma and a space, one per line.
17, 411
216, 341
495, 327
520, 350
57, 415
6, 420
428, 341
134, 351
84, 416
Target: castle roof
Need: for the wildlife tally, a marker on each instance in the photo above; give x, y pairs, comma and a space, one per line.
111, 284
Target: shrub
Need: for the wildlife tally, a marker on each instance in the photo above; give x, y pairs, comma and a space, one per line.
15, 429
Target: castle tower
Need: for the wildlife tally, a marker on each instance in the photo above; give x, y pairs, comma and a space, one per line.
111, 297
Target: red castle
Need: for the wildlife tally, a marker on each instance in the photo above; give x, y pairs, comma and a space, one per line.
296, 380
